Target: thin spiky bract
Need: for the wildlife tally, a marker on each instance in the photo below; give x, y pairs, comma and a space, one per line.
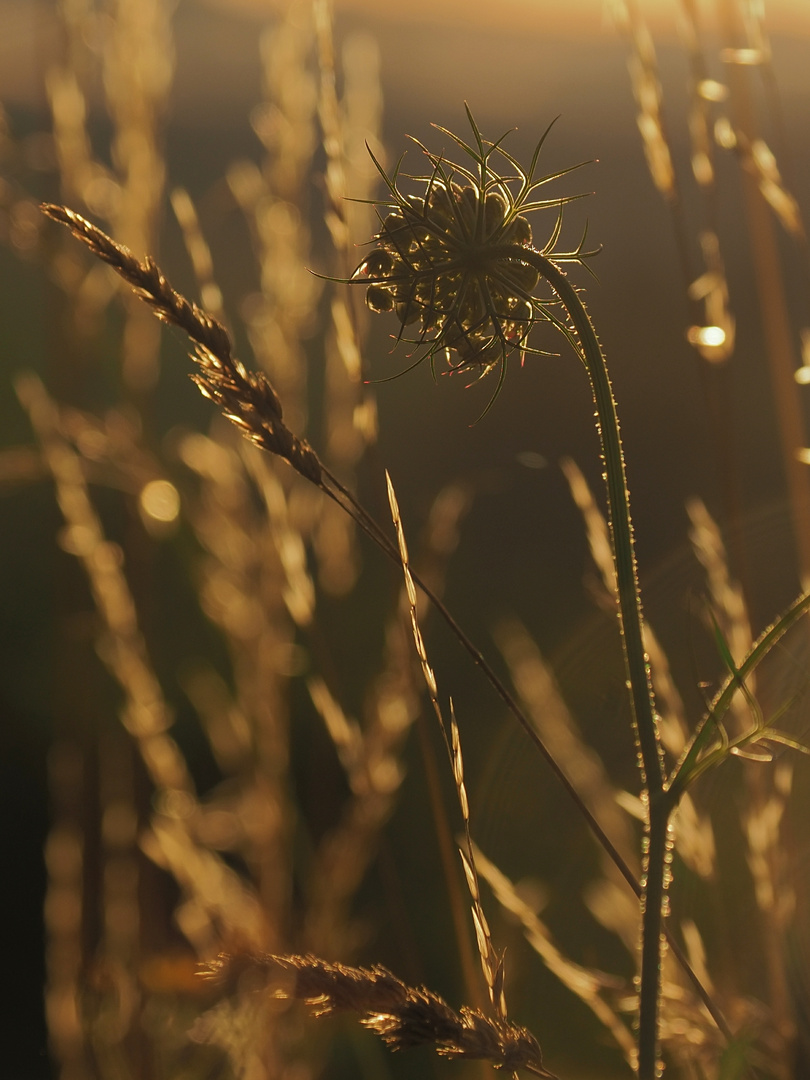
246, 397
402, 1015
450, 258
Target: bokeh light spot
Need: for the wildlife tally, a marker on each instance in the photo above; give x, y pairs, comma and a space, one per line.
159, 503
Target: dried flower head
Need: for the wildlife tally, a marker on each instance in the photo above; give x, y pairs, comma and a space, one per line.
456, 260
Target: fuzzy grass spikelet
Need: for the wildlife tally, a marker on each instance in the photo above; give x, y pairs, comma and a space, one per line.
246, 397
402, 1015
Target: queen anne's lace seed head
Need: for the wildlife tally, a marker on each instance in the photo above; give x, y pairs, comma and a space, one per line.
454, 263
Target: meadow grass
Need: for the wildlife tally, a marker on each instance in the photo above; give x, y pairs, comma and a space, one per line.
227, 826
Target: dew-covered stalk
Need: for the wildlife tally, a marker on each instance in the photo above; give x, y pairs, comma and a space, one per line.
618, 513
630, 617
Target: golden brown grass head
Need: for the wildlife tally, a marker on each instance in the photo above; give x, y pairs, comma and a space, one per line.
246, 397
402, 1015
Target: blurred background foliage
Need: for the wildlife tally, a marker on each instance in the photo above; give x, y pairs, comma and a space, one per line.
207, 685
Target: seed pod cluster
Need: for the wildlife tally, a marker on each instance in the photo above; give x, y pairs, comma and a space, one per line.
440, 262
457, 264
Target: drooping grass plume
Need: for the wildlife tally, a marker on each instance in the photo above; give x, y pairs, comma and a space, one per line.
247, 397
402, 1015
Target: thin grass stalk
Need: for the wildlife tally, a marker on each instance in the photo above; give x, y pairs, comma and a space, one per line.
242, 591
115, 1020
489, 960
373, 531
670, 712
590, 986
371, 755
212, 889
621, 528
447, 856
349, 421
542, 699
145, 713
695, 760
198, 251
138, 70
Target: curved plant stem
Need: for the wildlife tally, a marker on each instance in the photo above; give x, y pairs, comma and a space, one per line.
637, 667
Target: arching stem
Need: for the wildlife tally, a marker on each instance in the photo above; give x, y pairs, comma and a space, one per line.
637, 667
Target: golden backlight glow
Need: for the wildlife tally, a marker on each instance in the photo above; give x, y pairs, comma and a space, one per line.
710, 336
223, 723
579, 17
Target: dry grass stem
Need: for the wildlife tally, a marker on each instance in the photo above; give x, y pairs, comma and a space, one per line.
543, 701
491, 962
371, 752
246, 590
